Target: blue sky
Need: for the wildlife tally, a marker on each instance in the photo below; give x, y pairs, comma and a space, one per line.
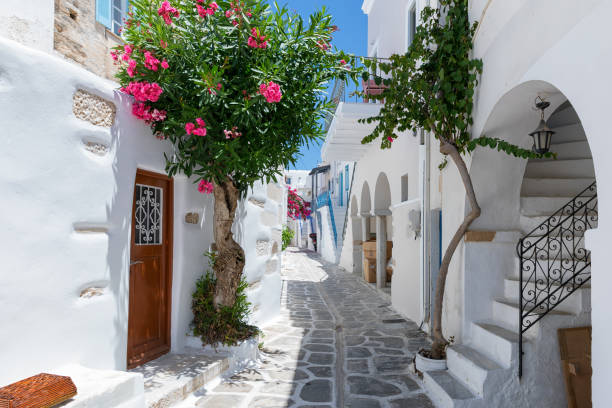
351, 38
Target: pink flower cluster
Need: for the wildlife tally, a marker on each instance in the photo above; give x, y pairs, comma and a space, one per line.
205, 187
256, 40
143, 91
232, 134
390, 139
271, 92
206, 11
323, 45
200, 130
166, 11
144, 112
235, 13
296, 206
151, 62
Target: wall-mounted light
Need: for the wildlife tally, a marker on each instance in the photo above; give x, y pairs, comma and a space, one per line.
542, 136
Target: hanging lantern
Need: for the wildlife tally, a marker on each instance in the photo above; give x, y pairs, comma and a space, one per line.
542, 136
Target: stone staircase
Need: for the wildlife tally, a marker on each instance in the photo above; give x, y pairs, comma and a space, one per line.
483, 372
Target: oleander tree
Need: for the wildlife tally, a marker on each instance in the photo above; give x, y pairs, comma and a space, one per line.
431, 88
237, 87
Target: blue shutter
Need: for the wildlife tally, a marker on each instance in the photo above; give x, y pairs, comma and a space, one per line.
103, 12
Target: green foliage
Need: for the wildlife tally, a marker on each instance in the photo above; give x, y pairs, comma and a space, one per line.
225, 325
203, 52
287, 236
432, 86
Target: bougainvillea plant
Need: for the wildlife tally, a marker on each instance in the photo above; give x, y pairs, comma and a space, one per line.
431, 87
297, 208
237, 88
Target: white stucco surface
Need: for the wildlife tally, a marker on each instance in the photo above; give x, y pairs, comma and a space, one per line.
28, 22
66, 217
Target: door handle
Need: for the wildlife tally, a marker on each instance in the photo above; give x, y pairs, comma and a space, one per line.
136, 262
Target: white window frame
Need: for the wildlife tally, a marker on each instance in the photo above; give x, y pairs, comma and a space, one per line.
410, 30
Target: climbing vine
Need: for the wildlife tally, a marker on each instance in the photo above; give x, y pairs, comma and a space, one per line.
432, 87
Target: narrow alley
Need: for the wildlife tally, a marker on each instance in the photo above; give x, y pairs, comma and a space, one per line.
338, 343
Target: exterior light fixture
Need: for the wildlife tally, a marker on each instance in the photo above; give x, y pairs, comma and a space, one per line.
542, 136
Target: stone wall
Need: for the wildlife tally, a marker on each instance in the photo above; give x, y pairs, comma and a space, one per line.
79, 37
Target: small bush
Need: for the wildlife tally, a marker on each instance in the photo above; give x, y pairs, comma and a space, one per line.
287, 236
227, 325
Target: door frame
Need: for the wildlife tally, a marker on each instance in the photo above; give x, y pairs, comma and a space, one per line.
169, 249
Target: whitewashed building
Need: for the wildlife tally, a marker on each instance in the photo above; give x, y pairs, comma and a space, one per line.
79, 175
548, 49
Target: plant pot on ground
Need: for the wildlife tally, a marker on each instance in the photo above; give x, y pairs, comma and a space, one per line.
423, 361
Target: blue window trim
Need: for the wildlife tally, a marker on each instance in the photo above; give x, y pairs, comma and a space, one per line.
103, 13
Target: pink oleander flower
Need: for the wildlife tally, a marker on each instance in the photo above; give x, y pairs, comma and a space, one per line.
271, 92
158, 115
234, 23
164, 64
205, 187
200, 122
151, 62
128, 49
166, 11
144, 91
229, 13
189, 127
256, 40
163, 44
199, 132
390, 139
232, 134
144, 112
114, 55
219, 86
131, 69
342, 62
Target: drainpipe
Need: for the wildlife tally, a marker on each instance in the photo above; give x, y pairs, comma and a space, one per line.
426, 230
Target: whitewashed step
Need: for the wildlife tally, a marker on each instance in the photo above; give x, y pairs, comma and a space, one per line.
554, 187
104, 388
572, 150
446, 391
506, 313
568, 133
542, 206
472, 368
579, 300
530, 222
579, 168
495, 342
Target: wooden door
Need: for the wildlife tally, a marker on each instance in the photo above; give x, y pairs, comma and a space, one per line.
150, 268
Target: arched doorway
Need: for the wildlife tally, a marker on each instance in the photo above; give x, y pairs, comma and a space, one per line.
384, 232
357, 235
529, 278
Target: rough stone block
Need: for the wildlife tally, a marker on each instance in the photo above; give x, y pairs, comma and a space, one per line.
93, 109
262, 247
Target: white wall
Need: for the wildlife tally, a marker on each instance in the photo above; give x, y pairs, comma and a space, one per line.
66, 217
28, 22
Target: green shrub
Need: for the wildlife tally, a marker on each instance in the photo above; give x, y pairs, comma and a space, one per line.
226, 325
287, 236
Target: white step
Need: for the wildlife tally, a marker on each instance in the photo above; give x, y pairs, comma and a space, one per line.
555, 187
572, 150
104, 388
564, 116
495, 342
577, 302
579, 168
530, 222
446, 391
568, 133
538, 206
506, 313
472, 368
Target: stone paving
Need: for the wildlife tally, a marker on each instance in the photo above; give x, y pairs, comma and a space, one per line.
337, 343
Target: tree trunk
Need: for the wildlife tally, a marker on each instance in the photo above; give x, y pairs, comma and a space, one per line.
230, 257
437, 348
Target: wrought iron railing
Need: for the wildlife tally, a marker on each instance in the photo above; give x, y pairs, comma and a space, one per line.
553, 260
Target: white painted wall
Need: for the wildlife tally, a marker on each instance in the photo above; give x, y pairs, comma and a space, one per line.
28, 22
50, 183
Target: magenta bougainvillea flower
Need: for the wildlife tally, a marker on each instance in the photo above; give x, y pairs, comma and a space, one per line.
205, 187
271, 91
296, 206
166, 11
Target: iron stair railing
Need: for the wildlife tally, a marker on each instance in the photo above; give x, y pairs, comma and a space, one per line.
553, 260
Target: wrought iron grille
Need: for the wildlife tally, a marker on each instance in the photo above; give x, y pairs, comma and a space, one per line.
148, 215
553, 260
